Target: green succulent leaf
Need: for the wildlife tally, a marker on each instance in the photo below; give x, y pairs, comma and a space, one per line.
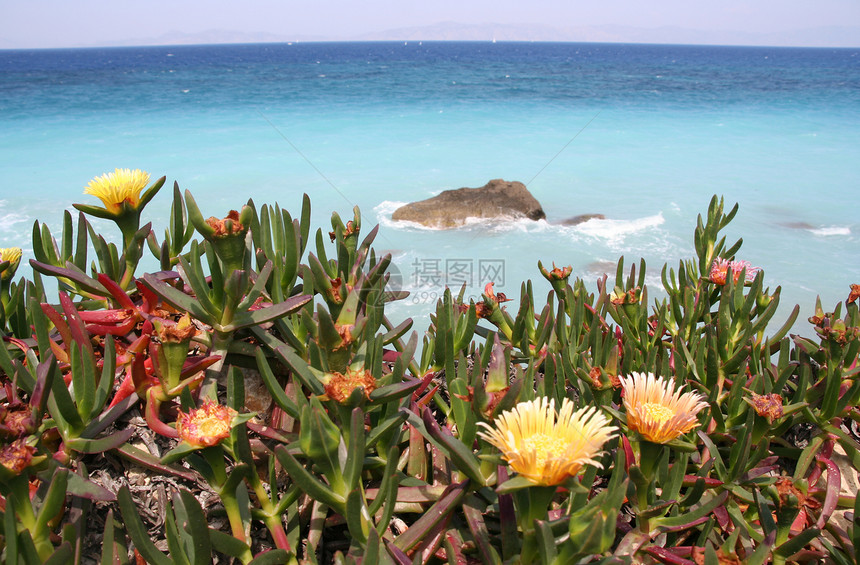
307, 482
272, 557
138, 532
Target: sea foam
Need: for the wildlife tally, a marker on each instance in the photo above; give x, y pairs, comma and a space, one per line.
826, 231
611, 229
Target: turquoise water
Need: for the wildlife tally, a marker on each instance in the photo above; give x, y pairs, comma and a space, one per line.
642, 134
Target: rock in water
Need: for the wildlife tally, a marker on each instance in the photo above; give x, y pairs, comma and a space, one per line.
496, 199
581, 219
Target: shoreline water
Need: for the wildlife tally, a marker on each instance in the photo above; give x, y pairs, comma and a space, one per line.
367, 124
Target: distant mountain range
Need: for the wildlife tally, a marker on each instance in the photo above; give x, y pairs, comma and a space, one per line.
834, 36
842, 36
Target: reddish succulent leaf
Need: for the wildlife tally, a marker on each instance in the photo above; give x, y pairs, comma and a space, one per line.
397, 554
690, 480
116, 291
443, 507
507, 516
150, 299
45, 372
59, 323
126, 389
664, 555
432, 540
59, 353
141, 378
197, 364
87, 284
475, 520
758, 472
722, 516
152, 416
831, 496
113, 316
268, 431
118, 330
454, 548
629, 457
425, 400
76, 325
425, 382
390, 356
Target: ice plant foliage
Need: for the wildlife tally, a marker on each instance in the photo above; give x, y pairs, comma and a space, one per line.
205, 426
545, 447
342, 467
118, 187
721, 267
657, 411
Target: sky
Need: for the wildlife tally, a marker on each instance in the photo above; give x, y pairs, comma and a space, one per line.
74, 23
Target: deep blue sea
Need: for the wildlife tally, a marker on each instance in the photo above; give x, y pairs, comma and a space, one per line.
644, 134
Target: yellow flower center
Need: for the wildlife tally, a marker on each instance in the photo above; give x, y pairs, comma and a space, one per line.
544, 446
11, 254
657, 412
213, 427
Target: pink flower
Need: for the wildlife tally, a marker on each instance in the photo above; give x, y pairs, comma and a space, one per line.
721, 267
205, 426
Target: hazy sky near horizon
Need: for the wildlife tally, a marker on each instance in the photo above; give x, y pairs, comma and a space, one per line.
73, 23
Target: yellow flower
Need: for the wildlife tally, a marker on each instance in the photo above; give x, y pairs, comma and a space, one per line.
13, 255
545, 448
118, 187
656, 410
205, 426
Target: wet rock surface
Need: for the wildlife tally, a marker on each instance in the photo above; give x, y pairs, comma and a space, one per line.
498, 199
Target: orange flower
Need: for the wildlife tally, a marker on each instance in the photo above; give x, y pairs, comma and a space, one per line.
855, 293
339, 387
619, 297
491, 301
182, 331
16, 419
16, 456
227, 226
768, 406
656, 410
205, 426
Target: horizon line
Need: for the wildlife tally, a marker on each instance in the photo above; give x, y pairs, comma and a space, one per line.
406, 41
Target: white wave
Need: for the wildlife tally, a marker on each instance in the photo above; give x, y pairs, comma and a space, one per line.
504, 224
9, 220
831, 230
616, 229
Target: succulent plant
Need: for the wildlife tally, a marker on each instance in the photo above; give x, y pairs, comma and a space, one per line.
685, 431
